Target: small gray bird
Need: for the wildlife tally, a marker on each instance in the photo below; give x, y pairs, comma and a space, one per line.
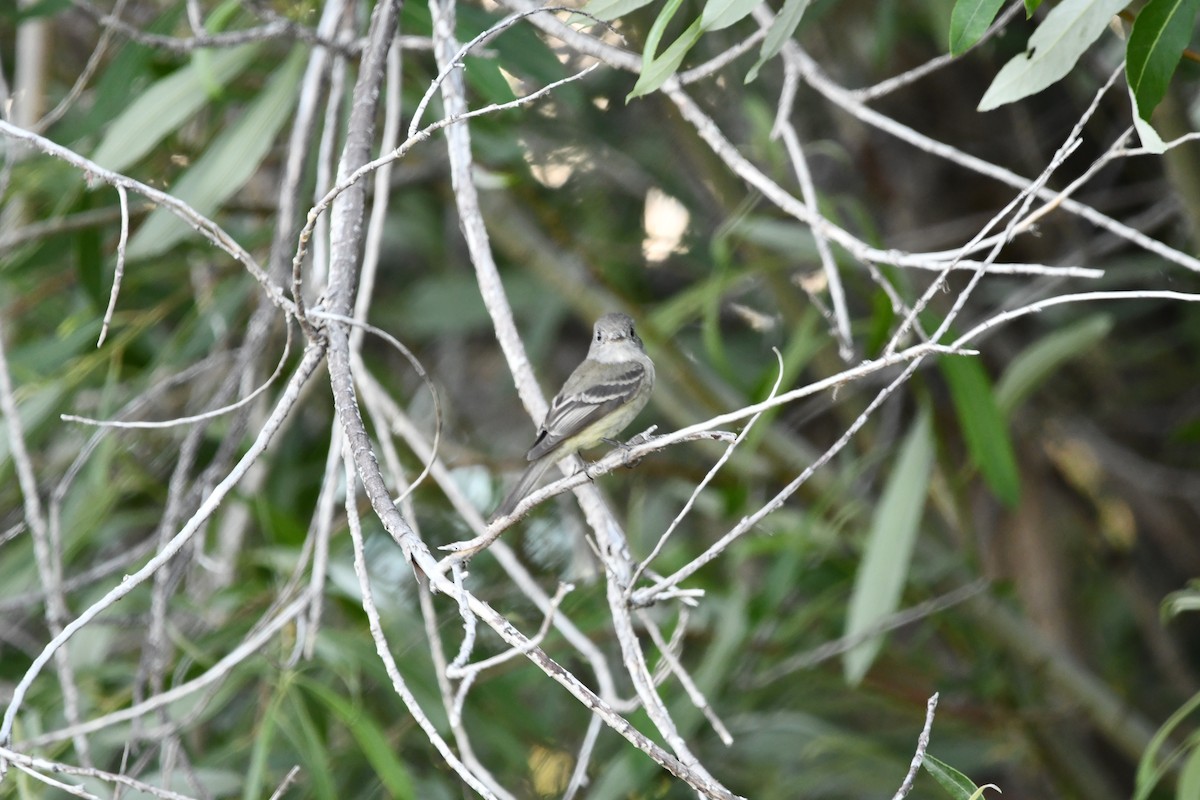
601, 397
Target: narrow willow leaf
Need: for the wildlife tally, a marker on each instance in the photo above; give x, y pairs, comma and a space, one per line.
720, 14
1039, 361
371, 738
969, 20
167, 104
1067, 31
1145, 131
263, 739
884, 569
1188, 787
1181, 602
658, 71
301, 730
611, 9
1150, 769
229, 162
654, 36
983, 426
1159, 36
780, 33
957, 785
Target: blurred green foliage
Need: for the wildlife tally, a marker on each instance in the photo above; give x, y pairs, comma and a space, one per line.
1061, 461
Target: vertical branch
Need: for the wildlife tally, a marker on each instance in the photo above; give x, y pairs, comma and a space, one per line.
919, 756
783, 128
381, 644
47, 553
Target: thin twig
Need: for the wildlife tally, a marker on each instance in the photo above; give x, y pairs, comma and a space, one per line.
907, 616
20, 759
286, 783
919, 756
119, 270
399, 686
47, 549
705, 481
81, 81
908, 77
693, 691
206, 227
791, 140
277, 29
218, 671
191, 418
282, 409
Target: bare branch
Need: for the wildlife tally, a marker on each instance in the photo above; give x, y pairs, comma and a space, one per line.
919, 756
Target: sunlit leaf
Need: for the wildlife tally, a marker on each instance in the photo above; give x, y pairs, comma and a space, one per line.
720, 14
657, 30
1159, 36
983, 426
611, 9
1183, 601
170, 102
1145, 131
666, 65
880, 579
1067, 31
969, 20
228, 163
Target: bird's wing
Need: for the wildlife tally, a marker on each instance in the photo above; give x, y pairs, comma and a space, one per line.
578, 407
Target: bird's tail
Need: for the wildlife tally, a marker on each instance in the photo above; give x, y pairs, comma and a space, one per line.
525, 484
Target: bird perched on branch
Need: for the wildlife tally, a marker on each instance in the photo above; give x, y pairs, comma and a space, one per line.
602, 396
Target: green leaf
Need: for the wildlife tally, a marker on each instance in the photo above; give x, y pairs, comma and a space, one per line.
660, 69
229, 162
166, 105
1067, 31
1182, 601
654, 36
1189, 777
263, 736
880, 578
969, 20
301, 729
1030, 7
957, 785
720, 14
1150, 771
983, 426
611, 9
1041, 360
1145, 131
785, 25
371, 738
485, 77
1160, 34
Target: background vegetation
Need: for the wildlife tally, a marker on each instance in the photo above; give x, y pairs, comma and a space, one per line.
1021, 522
